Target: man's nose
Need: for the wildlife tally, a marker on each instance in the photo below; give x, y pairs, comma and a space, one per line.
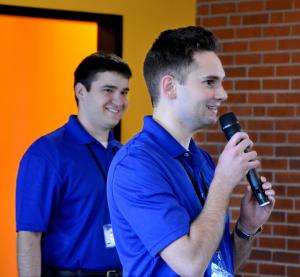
119, 99
221, 94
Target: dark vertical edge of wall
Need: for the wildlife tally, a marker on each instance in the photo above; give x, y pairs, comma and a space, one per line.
110, 38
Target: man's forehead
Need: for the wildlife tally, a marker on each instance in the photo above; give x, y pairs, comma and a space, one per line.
208, 65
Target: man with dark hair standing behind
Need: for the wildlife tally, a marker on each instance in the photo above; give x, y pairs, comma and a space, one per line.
62, 216
167, 199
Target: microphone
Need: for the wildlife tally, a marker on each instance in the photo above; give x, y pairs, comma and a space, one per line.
230, 125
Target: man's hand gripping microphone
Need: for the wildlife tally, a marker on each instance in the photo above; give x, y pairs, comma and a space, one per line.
230, 125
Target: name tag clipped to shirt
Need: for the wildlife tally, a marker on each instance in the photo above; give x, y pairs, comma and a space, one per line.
108, 236
217, 269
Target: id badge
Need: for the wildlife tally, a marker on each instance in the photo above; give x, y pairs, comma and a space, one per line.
108, 236
217, 271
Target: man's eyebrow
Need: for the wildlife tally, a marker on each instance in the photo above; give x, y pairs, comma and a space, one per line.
214, 77
108, 86
114, 87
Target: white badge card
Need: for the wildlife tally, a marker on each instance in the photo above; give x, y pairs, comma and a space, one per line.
109, 236
217, 271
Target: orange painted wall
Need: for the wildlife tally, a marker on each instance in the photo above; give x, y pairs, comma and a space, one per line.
142, 22
38, 58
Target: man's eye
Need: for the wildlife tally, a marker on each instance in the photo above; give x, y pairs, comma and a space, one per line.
210, 83
125, 92
108, 90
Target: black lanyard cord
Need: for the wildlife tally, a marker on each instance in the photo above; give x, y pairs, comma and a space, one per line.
204, 187
193, 181
97, 162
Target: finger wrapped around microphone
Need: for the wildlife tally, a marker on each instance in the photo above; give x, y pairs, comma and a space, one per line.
231, 128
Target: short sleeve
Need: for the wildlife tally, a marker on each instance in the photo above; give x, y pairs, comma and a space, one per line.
141, 190
37, 193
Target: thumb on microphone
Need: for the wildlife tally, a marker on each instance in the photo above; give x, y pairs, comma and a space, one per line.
249, 195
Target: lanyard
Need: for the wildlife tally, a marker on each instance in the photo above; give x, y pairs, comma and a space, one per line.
97, 162
194, 182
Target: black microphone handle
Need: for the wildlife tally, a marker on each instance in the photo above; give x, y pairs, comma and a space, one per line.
230, 125
257, 189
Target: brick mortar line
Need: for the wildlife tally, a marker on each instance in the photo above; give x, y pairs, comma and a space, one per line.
270, 52
241, 26
262, 65
267, 52
241, 14
275, 249
281, 198
266, 117
269, 118
287, 210
274, 223
263, 118
258, 39
219, 1
247, 52
199, 3
259, 93
246, 78
282, 105
268, 144
262, 236
280, 144
244, 273
265, 91
292, 212
249, 13
274, 91
261, 132
280, 77
259, 105
265, 156
268, 222
271, 262
296, 264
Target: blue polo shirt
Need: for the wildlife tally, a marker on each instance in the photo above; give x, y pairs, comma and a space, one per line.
153, 202
62, 193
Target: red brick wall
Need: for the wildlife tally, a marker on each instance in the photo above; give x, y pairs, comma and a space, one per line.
260, 51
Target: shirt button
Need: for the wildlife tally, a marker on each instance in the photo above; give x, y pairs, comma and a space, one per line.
186, 154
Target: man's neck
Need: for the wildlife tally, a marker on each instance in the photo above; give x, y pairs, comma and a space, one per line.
99, 134
180, 133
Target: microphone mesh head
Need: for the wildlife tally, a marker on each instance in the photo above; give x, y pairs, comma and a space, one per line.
229, 124
228, 119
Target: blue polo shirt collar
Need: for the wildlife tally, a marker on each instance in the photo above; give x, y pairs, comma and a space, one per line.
165, 139
77, 134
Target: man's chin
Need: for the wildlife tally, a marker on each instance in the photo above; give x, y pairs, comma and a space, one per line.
210, 122
113, 123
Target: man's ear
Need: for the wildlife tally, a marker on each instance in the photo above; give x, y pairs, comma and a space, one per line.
169, 86
79, 90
